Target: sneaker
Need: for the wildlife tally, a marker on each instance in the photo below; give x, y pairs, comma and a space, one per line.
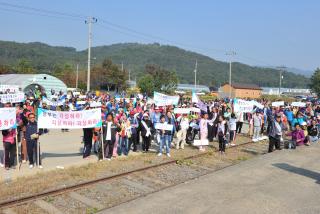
168, 155
232, 144
1, 165
108, 159
30, 166
40, 167
159, 154
24, 161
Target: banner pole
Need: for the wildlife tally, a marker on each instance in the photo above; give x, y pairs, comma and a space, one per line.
102, 143
17, 150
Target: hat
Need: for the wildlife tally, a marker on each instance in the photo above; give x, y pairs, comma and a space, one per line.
145, 115
278, 115
303, 123
131, 112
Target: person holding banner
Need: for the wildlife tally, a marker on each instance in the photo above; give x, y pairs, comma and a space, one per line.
164, 137
32, 136
9, 145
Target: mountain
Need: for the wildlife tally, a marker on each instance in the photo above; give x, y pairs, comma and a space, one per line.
135, 56
306, 73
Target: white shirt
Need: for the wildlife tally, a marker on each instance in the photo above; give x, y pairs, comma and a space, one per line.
108, 137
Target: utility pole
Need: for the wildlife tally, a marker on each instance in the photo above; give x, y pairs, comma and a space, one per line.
122, 66
77, 77
281, 69
129, 74
231, 54
89, 21
195, 75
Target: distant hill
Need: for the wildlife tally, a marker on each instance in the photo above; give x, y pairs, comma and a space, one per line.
135, 56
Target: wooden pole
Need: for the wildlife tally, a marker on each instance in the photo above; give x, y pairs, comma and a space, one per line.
17, 150
102, 144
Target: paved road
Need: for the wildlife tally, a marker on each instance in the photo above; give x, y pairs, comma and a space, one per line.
283, 182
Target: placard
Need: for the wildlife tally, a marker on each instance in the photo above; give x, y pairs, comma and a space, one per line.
12, 98
7, 118
69, 119
164, 126
165, 100
278, 103
182, 110
298, 104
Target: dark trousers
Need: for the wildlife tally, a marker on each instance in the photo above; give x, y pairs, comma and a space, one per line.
146, 143
33, 150
108, 149
274, 142
239, 127
222, 145
9, 154
87, 148
210, 133
133, 142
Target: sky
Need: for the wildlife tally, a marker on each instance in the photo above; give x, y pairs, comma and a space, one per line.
261, 32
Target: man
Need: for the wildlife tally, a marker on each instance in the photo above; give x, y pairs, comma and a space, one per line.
275, 133
182, 131
145, 126
211, 124
110, 130
32, 136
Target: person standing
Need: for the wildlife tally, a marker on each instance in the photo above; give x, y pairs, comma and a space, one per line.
222, 132
211, 124
164, 137
110, 130
32, 136
203, 131
145, 126
134, 131
232, 129
170, 120
275, 133
257, 123
183, 126
9, 145
87, 138
240, 120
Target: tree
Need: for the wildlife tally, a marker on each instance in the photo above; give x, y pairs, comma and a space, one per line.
24, 67
4, 69
146, 84
315, 82
65, 73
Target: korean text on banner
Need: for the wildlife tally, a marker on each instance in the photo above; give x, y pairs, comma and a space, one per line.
165, 100
7, 118
10, 88
163, 126
69, 120
278, 103
182, 110
53, 103
242, 106
12, 98
298, 104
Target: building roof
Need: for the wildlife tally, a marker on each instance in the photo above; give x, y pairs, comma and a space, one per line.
191, 87
244, 86
23, 81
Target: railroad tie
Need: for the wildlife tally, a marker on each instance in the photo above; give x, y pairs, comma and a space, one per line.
204, 167
153, 180
47, 207
87, 201
137, 185
8, 211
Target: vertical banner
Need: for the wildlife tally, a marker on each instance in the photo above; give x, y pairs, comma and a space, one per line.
69, 119
7, 118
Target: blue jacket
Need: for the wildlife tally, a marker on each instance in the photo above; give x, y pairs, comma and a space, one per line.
31, 128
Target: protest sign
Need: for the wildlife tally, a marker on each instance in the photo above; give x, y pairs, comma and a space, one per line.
240, 105
53, 103
165, 100
81, 102
95, 104
128, 100
197, 110
69, 120
7, 118
164, 126
278, 103
259, 105
12, 98
182, 110
201, 142
200, 104
298, 104
9, 88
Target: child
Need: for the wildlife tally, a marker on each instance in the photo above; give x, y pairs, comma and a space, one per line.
257, 122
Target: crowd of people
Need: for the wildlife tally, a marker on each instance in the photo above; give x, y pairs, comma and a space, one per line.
128, 123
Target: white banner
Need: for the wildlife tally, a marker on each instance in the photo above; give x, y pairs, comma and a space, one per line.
81, 102
298, 104
163, 126
242, 106
197, 110
53, 103
126, 99
12, 98
278, 103
259, 105
182, 110
69, 119
10, 88
95, 104
165, 100
7, 118
201, 142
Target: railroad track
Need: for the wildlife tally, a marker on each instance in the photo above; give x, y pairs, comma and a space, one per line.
106, 192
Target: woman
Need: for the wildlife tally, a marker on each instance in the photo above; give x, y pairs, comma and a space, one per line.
164, 137
170, 120
313, 132
297, 137
124, 136
203, 131
145, 126
232, 128
222, 131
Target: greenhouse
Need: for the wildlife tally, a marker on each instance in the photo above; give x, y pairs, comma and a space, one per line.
25, 82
